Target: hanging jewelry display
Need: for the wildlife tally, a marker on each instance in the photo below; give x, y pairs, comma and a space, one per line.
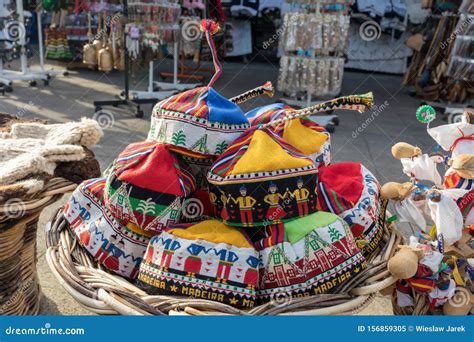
313, 38
315, 33
299, 75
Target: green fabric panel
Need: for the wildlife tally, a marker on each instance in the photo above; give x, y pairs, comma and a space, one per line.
299, 228
134, 203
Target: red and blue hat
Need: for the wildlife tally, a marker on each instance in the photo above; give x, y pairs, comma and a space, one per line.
199, 121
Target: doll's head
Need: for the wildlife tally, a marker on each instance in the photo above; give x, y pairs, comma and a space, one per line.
405, 150
397, 191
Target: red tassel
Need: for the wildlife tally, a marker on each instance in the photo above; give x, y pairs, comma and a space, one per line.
208, 25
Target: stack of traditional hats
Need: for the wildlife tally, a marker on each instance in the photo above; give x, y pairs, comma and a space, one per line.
438, 262
227, 206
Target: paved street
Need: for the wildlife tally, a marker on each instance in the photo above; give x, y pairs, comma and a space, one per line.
364, 138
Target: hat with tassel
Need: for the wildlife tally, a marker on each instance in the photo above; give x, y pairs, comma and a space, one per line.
201, 122
316, 143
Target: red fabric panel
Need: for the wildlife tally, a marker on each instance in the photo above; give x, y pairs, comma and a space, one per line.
344, 178
156, 171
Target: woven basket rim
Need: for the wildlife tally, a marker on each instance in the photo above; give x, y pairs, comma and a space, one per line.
55, 186
103, 292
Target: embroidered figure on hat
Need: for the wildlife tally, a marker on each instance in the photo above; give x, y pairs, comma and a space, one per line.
275, 212
193, 263
245, 204
225, 201
251, 275
226, 261
83, 212
84, 235
109, 253
169, 248
301, 194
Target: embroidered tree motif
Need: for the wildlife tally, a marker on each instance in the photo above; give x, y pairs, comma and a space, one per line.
152, 131
162, 132
201, 144
178, 138
146, 207
221, 147
334, 234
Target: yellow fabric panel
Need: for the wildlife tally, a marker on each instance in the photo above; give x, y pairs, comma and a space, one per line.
303, 138
213, 231
135, 229
264, 154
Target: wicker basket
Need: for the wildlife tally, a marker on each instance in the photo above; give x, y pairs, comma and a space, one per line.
104, 293
421, 307
19, 287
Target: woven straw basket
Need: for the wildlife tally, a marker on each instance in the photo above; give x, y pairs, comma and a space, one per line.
421, 307
104, 293
19, 287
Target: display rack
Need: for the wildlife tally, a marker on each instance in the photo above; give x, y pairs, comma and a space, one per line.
461, 65
321, 61
156, 91
49, 73
26, 73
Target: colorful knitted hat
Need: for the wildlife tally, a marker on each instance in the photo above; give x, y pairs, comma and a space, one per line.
352, 192
199, 121
316, 143
208, 260
308, 256
147, 186
120, 248
261, 179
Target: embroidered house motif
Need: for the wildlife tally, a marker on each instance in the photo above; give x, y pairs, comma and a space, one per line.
147, 186
119, 248
297, 260
189, 265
